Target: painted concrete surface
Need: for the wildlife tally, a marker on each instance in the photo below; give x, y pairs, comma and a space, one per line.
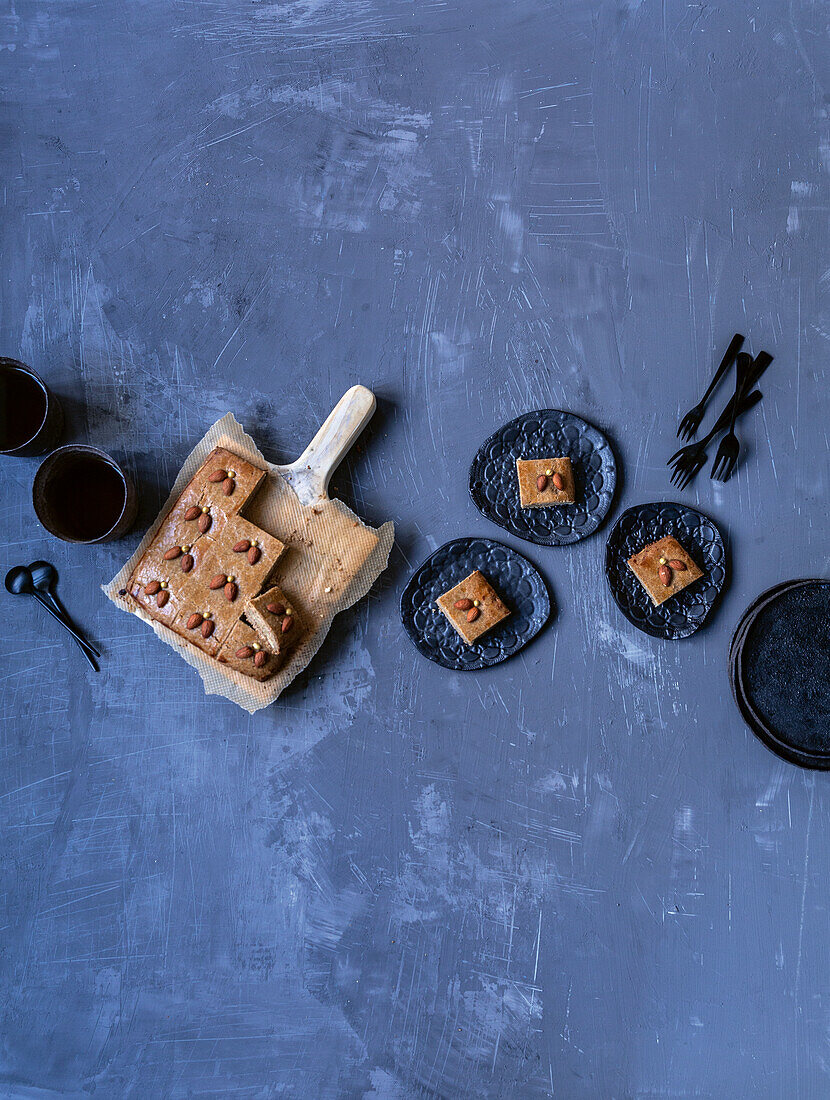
576, 875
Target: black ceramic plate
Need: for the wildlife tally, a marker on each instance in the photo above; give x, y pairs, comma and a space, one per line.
779, 669
516, 581
547, 433
686, 612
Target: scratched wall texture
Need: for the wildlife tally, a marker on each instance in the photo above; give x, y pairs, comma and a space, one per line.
576, 875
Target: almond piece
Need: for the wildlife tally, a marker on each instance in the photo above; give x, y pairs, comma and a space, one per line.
230, 591
677, 564
558, 482
242, 546
162, 598
218, 475
152, 588
541, 483
193, 512
473, 614
665, 575
244, 653
187, 563
287, 623
217, 582
196, 619
228, 486
254, 554
207, 628
463, 605
172, 553
275, 608
260, 658
205, 520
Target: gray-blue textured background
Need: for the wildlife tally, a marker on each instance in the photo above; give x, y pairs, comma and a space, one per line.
576, 875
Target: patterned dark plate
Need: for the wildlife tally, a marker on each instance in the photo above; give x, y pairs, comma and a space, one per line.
517, 582
547, 433
686, 612
779, 669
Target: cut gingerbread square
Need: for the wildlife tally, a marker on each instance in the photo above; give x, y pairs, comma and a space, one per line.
253, 553
245, 651
544, 482
274, 616
664, 568
473, 607
150, 588
227, 481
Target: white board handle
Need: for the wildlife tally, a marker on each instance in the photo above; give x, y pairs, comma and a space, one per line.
309, 476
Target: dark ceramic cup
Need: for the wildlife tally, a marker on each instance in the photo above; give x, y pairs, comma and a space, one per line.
81, 494
31, 418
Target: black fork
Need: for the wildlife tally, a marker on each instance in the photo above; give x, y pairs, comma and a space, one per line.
691, 421
690, 460
730, 447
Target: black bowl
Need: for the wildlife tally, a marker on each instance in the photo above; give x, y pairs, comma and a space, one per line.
546, 433
683, 614
517, 582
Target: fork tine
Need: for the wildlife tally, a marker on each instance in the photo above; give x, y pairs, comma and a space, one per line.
730, 466
717, 468
680, 455
694, 470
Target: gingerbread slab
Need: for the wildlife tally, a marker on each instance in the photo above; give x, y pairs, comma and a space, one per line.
206, 560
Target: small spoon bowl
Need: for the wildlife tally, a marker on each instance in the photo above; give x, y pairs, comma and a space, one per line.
44, 574
19, 581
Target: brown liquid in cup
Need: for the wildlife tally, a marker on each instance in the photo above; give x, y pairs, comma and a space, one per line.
22, 409
85, 497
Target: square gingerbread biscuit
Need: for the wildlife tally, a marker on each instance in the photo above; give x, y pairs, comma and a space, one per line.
245, 651
150, 588
274, 616
473, 607
663, 568
226, 480
545, 481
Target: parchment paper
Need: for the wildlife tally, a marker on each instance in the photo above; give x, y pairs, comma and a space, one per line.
331, 560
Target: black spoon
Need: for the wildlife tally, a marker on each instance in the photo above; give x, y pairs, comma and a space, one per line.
20, 583
44, 578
